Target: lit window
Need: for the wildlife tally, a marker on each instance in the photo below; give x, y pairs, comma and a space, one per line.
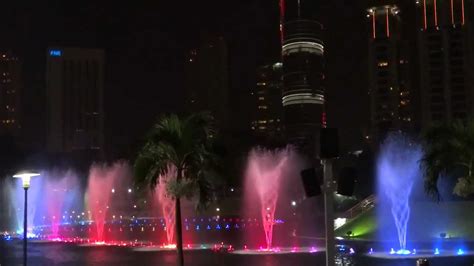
262, 128
383, 64
262, 107
262, 121
261, 84
261, 98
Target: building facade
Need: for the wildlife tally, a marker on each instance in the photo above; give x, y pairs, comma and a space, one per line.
446, 60
267, 121
389, 71
303, 75
75, 110
10, 92
207, 79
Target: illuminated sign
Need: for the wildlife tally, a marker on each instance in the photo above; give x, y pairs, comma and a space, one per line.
56, 53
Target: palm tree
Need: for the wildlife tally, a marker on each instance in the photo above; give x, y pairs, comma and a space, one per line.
186, 145
449, 151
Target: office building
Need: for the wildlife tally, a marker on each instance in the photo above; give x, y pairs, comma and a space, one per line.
268, 109
207, 79
446, 60
75, 110
390, 89
10, 92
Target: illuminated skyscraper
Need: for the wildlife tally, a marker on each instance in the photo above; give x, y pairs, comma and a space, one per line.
389, 72
74, 89
267, 115
446, 59
303, 74
10, 89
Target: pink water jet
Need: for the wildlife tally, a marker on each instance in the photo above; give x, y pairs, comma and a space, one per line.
264, 175
167, 203
102, 180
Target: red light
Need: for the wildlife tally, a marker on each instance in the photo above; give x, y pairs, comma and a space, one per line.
463, 18
452, 12
373, 25
435, 14
424, 14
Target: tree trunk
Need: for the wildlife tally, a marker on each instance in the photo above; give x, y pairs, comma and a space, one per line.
179, 233
179, 229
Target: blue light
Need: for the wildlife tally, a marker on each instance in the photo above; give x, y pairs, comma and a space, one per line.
227, 226
371, 251
351, 251
392, 251
218, 227
236, 226
460, 252
56, 53
403, 252
436, 251
198, 227
208, 227
414, 251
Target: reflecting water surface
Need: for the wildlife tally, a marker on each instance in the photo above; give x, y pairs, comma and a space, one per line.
64, 254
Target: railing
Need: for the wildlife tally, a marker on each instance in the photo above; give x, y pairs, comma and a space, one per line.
361, 207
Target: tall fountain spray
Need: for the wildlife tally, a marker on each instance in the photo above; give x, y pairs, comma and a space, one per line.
166, 202
397, 170
59, 187
264, 174
99, 192
35, 193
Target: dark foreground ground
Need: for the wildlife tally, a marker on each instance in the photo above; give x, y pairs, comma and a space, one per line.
71, 255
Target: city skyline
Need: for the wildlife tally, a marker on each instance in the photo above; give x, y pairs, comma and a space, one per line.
155, 58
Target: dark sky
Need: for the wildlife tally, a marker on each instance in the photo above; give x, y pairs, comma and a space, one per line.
145, 43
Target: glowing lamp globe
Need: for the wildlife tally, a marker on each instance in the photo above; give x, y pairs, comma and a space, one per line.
26, 177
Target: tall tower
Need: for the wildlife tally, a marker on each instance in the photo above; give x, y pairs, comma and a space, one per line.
74, 87
303, 74
446, 60
389, 75
10, 89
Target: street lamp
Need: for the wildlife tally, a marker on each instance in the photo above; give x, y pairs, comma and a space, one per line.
25, 178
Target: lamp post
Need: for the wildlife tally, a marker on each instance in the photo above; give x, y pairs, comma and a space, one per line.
25, 177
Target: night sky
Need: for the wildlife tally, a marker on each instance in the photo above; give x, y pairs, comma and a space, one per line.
145, 44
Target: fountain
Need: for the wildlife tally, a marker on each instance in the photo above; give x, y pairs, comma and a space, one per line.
60, 196
100, 189
16, 193
265, 170
167, 203
397, 169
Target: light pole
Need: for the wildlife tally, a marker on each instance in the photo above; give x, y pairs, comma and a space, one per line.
25, 177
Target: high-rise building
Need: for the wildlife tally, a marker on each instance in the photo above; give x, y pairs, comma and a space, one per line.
207, 79
445, 43
75, 111
303, 74
10, 89
268, 111
389, 71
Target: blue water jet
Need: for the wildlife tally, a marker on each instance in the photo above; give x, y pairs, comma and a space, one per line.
397, 170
